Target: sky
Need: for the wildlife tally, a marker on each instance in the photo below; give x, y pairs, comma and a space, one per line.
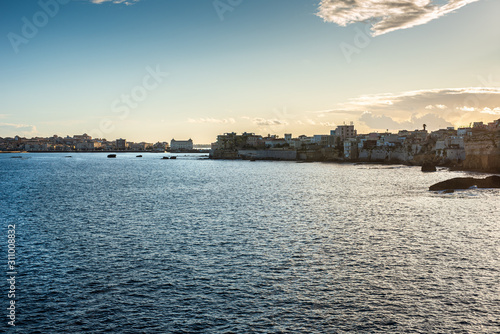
153, 70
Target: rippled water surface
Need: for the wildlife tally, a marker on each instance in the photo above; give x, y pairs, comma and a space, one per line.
144, 245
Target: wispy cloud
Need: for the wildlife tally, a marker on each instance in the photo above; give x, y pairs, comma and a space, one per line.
9, 129
125, 2
415, 121
428, 99
494, 111
387, 15
212, 120
435, 107
268, 122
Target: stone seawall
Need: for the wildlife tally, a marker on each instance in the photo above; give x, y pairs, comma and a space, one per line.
483, 152
268, 154
384, 155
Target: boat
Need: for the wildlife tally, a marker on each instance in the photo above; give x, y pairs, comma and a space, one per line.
139, 156
173, 157
164, 158
111, 155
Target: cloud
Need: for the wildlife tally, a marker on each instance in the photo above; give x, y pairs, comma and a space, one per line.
9, 129
495, 111
415, 122
427, 99
437, 106
387, 15
450, 106
212, 120
125, 2
268, 122
464, 108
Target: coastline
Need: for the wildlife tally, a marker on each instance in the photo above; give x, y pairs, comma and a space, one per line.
111, 151
450, 166
415, 163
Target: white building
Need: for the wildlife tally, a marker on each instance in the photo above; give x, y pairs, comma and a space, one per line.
181, 145
323, 140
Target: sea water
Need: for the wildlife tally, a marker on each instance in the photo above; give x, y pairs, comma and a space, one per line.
145, 245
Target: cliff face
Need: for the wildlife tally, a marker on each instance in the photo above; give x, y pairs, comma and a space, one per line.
483, 152
223, 154
268, 154
385, 154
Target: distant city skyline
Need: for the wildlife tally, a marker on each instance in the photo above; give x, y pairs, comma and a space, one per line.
155, 70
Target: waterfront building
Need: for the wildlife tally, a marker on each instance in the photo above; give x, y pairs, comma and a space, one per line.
181, 145
305, 140
478, 125
139, 146
441, 134
351, 148
82, 137
295, 143
493, 125
121, 144
390, 139
252, 139
324, 140
462, 132
87, 145
275, 142
345, 131
160, 147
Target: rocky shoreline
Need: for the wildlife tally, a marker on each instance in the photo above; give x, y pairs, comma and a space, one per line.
460, 183
427, 161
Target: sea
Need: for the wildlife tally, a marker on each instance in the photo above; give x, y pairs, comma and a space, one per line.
192, 245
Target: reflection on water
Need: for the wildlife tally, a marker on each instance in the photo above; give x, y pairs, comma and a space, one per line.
132, 245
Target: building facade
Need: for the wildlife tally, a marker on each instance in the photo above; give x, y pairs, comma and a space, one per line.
181, 145
345, 131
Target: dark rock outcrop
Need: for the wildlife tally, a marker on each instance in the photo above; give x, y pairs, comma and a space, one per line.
466, 183
428, 167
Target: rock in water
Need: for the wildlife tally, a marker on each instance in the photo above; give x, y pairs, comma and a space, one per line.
428, 167
466, 183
